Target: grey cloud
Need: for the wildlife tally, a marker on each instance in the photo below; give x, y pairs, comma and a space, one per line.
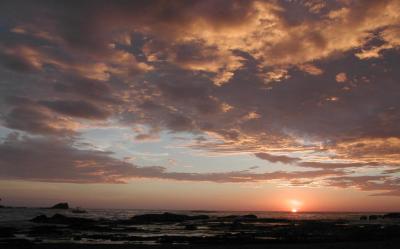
50, 159
276, 158
80, 109
37, 120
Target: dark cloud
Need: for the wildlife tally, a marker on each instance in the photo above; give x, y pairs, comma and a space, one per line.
386, 185
37, 120
88, 89
80, 109
333, 165
276, 158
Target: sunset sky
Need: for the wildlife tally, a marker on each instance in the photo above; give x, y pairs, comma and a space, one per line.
201, 104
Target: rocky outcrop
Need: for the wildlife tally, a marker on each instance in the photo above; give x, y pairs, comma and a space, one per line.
61, 219
364, 217
165, 218
392, 216
61, 205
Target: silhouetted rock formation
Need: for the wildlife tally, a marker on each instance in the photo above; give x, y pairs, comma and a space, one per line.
373, 217
392, 216
7, 232
191, 227
61, 219
165, 218
78, 210
61, 205
239, 217
249, 216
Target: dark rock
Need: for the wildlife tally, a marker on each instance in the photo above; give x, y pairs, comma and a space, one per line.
16, 243
228, 217
40, 219
44, 231
191, 227
61, 219
373, 217
78, 211
77, 238
62, 205
7, 232
273, 220
165, 218
392, 216
364, 217
236, 225
249, 216
238, 217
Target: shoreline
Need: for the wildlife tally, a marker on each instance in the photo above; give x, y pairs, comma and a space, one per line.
171, 230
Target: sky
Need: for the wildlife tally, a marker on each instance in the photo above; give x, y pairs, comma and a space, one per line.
201, 104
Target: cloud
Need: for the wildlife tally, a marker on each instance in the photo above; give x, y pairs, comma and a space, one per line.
44, 159
318, 78
277, 159
341, 77
384, 185
80, 109
335, 165
38, 120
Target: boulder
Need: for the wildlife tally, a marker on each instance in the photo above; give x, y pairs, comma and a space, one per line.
165, 218
249, 216
61, 205
191, 227
392, 216
373, 217
61, 219
364, 217
239, 217
7, 232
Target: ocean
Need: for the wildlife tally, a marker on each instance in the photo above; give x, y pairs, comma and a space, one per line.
110, 225
20, 215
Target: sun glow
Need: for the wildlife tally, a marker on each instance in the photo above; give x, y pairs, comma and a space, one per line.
295, 205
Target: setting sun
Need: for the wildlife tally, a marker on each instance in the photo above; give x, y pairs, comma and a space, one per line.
295, 205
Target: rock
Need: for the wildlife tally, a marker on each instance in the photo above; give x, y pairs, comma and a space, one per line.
249, 216
373, 217
191, 227
61, 219
392, 216
78, 210
7, 232
238, 217
61, 205
165, 217
45, 230
40, 219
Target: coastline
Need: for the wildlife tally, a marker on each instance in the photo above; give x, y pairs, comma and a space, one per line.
44, 229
